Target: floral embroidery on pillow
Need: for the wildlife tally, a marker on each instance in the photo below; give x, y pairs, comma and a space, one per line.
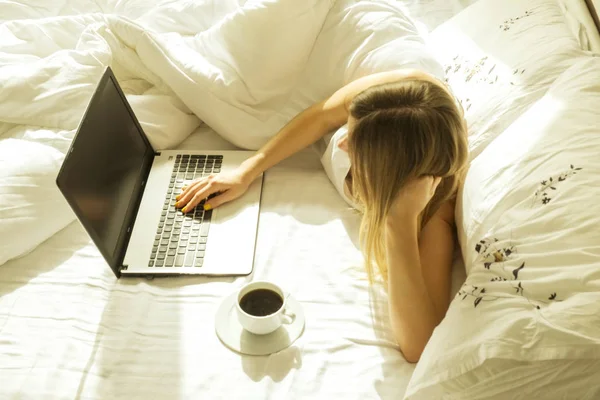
497, 257
506, 25
470, 69
479, 71
482, 70
549, 185
491, 254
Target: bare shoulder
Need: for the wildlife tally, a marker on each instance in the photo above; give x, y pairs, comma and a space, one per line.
446, 212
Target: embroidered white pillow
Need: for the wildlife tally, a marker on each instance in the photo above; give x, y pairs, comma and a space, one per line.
500, 57
528, 226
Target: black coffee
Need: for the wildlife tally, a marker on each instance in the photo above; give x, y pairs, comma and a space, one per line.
261, 302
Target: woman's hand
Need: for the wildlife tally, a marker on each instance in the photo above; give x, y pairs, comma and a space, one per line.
226, 186
414, 197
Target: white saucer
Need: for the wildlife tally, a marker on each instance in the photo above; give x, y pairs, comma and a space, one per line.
231, 333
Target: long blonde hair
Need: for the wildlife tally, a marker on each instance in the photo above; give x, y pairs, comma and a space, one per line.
403, 130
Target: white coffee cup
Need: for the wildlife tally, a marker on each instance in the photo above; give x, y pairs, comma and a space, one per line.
268, 323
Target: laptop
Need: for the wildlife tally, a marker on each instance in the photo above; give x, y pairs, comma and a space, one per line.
123, 193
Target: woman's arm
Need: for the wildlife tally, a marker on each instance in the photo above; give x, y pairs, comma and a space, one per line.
436, 248
302, 131
418, 277
315, 122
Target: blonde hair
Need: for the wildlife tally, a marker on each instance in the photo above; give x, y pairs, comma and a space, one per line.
403, 130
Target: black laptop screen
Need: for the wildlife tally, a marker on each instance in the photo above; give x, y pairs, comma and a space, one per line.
102, 174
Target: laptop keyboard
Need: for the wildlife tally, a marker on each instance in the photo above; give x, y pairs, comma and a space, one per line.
181, 239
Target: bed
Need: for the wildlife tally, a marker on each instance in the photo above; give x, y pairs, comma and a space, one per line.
69, 329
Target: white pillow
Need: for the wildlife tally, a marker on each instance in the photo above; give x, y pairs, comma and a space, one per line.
528, 227
31, 207
582, 25
500, 57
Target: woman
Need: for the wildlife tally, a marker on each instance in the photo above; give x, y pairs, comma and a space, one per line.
407, 146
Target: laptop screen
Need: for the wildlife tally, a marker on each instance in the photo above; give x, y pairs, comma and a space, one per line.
103, 173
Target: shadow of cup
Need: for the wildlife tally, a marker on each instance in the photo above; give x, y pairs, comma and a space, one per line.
259, 345
276, 366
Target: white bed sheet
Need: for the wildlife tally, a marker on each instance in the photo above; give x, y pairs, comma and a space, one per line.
69, 329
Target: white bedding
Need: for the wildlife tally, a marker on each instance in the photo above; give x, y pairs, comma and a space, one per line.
431, 13
582, 24
68, 329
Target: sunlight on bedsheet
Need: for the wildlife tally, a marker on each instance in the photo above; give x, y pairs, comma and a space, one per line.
516, 145
528, 130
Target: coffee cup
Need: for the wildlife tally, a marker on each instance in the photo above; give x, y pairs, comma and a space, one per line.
261, 307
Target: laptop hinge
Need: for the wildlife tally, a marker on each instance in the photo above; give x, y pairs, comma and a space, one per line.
123, 267
157, 153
